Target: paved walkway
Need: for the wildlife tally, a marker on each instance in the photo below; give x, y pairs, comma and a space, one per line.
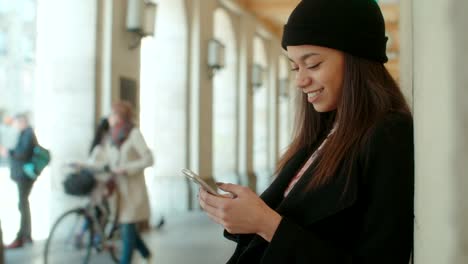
185, 238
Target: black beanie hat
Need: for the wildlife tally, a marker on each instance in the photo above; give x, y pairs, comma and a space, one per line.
353, 26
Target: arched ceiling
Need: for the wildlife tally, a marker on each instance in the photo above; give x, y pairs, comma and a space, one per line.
274, 13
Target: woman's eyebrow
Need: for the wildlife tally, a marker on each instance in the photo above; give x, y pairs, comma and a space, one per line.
305, 56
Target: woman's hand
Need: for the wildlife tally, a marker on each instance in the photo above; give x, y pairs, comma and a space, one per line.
3, 151
245, 214
119, 171
76, 165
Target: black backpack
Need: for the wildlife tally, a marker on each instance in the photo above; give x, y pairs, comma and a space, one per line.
79, 183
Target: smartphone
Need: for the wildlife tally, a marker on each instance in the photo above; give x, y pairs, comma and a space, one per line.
196, 179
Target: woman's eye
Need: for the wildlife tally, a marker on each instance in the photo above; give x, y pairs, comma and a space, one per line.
314, 66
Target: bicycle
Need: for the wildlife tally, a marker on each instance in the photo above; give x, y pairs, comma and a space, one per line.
79, 232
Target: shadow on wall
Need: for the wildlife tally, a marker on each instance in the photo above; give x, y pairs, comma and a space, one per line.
460, 42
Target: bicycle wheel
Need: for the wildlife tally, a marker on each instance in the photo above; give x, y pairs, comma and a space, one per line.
108, 232
112, 230
70, 239
114, 242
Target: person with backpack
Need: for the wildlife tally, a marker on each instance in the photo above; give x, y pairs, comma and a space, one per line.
20, 155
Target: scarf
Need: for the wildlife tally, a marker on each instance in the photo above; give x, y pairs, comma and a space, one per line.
120, 132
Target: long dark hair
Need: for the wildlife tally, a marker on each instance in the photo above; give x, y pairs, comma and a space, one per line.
369, 92
101, 130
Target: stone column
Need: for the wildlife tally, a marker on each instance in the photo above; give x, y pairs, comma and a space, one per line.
225, 97
441, 129
246, 171
406, 55
274, 49
293, 102
64, 99
164, 107
201, 93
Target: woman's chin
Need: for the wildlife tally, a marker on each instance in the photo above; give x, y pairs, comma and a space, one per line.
320, 108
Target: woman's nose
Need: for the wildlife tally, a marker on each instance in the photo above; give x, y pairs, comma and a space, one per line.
302, 79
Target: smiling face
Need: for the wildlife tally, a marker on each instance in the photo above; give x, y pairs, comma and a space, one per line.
319, 74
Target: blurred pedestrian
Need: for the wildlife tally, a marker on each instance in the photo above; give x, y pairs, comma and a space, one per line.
18, 156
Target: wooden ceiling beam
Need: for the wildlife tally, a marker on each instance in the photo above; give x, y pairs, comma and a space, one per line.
243, 3
271, 26
391, 12
271, 8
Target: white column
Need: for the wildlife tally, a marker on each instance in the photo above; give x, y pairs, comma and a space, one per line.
246, 170
441, 129
201, 92
293, 102
64, 99
236, 20
274, 49
225, 101
284, 114
406, 54
164, 107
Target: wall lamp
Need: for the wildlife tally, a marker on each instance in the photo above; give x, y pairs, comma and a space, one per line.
141, 18
258, 73
216, 51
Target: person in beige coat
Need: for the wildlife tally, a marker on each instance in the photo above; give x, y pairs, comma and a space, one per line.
128, 156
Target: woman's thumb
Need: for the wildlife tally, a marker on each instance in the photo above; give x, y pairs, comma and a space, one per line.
229, 187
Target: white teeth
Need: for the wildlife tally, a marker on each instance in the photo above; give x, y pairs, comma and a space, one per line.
313, 94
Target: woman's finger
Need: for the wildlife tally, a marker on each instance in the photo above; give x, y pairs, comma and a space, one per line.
203, 204
213, 212
215, 218
212, 200
231, 188
202, 198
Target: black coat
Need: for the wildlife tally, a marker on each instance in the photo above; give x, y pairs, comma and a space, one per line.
22, 153
370, 223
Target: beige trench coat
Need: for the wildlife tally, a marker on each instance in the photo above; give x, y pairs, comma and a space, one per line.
133, 157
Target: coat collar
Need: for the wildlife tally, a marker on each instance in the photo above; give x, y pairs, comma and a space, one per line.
309, 205
274, 194
304, 206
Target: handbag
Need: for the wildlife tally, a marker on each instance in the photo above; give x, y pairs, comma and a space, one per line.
39, 160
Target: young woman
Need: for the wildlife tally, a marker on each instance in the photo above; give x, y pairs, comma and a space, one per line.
128, 157
97, 160
100, 135
344, 188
